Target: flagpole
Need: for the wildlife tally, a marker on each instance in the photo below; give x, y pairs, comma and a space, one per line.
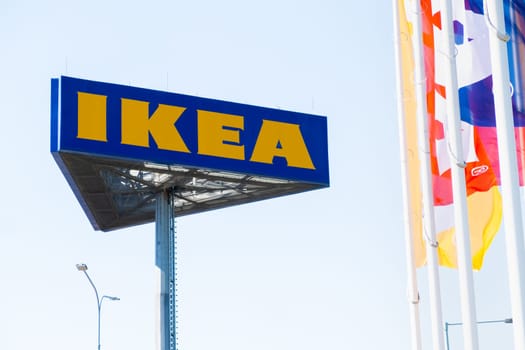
508, 166
459, 191
429, 227
412, 289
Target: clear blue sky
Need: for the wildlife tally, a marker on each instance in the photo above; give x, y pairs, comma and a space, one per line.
319, 270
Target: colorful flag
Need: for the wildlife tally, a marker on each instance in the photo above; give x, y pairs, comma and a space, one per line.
477, 104
484, 200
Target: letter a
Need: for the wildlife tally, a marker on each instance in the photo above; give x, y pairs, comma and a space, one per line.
277, 139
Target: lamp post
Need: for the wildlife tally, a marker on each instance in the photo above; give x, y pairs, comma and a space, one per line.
447, 324
83, 268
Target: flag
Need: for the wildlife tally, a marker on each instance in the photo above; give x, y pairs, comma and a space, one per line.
481, 174
410, 125
477, 104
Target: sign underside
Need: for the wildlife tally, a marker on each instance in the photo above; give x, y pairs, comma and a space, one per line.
117, 194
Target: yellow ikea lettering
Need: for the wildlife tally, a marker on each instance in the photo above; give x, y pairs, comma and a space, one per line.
218, 134
137, 125
214, 129
91, 117
277, 139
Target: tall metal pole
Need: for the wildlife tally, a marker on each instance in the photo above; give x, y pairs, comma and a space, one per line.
508, 166
165, 261
461, 224
413, 293
429, 225
446, 335
98, 307
98, 330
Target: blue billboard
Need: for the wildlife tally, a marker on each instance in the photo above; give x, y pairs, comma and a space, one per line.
137, 124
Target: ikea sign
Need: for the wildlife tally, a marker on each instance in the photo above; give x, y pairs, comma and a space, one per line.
110, 120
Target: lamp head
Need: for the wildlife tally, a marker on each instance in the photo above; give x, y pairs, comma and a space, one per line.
82, 267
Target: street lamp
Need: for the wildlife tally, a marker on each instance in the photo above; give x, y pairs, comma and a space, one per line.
447, 324
83, 268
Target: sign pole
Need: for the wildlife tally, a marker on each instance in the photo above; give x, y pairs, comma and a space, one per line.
165, 261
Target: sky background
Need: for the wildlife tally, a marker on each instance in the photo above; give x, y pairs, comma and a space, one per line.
319, 270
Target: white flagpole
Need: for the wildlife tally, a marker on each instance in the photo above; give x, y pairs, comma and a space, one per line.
459, 191
413, 293
429, 227
508, 166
